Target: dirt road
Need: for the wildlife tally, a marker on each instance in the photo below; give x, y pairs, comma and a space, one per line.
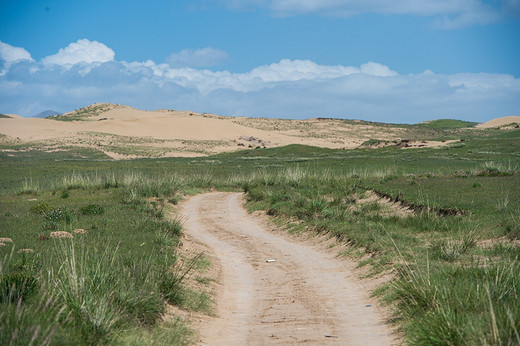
303, 296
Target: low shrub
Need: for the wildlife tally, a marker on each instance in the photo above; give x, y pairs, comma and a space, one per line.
92, 209
40, 207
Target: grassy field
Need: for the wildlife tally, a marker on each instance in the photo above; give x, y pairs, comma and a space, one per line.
442, 223
90, 263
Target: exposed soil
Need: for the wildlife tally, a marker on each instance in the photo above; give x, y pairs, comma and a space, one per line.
276, 290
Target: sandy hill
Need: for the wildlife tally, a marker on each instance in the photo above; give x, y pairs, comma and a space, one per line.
510, 121
125, 132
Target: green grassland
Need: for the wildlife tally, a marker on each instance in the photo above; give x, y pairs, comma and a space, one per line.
443, 223
447, 124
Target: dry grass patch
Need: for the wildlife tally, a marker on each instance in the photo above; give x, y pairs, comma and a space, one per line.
61, 234
80, 231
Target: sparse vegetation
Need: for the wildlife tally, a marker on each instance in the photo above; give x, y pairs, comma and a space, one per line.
85, 113
443, 221
104, 278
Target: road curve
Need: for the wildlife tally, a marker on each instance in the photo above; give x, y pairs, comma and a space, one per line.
303, 296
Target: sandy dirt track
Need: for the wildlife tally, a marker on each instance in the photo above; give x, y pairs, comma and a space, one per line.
304, 296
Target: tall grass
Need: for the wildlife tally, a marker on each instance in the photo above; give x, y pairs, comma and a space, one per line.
101, 293
29, 313
449, 305
29, 186
149, 185
94, 288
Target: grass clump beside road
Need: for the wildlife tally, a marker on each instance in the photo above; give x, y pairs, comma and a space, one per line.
456, 273
90, 268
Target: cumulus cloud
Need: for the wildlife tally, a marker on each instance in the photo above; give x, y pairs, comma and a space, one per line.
286, 70
204, 57
448, 13
11, 54
82, 51
288, 88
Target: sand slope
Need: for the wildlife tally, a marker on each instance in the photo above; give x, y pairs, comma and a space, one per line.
124, 132
513, 119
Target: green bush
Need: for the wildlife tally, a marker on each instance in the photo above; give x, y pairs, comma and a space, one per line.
92, 209
40, 207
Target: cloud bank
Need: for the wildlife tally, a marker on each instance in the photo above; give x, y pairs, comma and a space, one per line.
448, 14
86, 72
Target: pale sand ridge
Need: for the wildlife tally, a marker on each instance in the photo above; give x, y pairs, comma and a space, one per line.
513, 119
123, 132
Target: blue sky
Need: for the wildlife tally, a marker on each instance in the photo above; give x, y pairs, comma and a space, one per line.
391, 61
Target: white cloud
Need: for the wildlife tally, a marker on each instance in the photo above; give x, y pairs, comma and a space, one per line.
289, 88
449, 14
206, 81
11, 55
82, 51
352, 7
204, 57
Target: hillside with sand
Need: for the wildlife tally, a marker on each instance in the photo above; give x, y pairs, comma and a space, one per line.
123, 132
512, 121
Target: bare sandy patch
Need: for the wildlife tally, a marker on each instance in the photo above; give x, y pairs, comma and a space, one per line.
499, 122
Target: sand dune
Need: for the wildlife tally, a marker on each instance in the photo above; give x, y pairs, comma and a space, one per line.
124, 132
513, 119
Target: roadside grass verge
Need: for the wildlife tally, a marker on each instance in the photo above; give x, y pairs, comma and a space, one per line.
90, 268
442, 239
